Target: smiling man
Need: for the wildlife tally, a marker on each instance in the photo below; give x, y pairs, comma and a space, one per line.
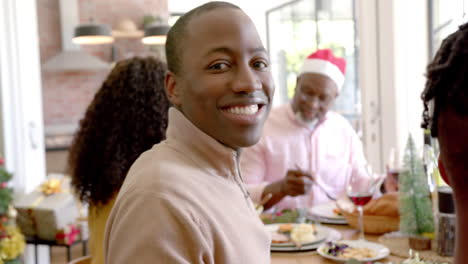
184, 201
304, 140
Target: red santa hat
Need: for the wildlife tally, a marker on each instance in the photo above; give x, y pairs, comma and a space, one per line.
324, 62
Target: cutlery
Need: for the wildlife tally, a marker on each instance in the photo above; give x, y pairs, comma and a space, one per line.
318, 184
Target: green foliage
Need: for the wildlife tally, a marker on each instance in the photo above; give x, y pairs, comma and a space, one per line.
6, 194
416, 216
285, 216
4, 175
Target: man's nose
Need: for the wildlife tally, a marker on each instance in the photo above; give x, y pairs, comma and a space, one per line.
246, 80
313, 102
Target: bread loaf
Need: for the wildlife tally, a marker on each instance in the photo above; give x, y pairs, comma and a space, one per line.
386, 205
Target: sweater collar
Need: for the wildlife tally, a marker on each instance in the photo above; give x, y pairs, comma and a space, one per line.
207, 152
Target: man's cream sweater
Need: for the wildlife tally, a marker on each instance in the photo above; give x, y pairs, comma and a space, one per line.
184, 201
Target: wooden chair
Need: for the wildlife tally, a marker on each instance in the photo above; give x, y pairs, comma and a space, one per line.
81, 260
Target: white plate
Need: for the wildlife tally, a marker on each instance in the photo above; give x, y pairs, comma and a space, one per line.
325, 210
381, 250
325, 220
332, 235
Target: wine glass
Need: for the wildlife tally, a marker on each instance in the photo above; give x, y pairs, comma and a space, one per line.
360, 190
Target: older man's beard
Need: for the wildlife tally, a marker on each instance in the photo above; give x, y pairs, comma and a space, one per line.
308, 123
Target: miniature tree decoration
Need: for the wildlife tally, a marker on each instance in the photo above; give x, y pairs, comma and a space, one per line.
416, 215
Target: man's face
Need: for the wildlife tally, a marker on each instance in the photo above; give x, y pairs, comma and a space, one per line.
314, 96
225, 83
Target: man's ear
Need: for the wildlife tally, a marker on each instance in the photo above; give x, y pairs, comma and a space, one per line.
172, 89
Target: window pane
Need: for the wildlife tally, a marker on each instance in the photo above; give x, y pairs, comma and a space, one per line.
446, 15
297, 29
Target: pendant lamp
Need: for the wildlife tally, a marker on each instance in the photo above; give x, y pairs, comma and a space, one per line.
92, 34
155, 34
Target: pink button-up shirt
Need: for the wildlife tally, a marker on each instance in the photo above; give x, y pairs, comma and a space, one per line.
328, 150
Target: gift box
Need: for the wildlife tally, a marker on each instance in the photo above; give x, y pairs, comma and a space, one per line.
48, 210
68, 235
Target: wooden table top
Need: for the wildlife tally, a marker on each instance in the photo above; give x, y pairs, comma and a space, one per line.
312, 256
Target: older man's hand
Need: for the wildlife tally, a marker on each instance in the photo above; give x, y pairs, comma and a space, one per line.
296, 182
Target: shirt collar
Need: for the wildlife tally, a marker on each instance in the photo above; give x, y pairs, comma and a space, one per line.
206, 151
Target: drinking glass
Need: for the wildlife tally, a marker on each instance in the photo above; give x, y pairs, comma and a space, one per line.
393, 171
301, 207
360, 190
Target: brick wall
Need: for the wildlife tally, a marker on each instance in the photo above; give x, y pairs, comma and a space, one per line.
67, 94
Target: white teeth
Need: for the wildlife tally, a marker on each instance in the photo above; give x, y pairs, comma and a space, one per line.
243, 110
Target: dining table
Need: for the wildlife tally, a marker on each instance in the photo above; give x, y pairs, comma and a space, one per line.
312, 257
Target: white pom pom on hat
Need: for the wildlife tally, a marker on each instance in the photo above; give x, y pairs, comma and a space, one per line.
324, 62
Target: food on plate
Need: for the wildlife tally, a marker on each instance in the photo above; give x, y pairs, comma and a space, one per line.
298, 234
303, 234
344, 251
278, 238
285, 228
358, 253
337, 212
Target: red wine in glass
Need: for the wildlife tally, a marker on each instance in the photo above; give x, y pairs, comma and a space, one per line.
360, 199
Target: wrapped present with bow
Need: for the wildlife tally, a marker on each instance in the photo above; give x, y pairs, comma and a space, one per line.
68, 235
48, 210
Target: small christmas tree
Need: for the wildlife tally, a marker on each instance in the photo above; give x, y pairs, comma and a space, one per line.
416, 216
12, 242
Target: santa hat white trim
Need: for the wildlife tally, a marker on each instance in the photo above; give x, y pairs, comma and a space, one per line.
325, 68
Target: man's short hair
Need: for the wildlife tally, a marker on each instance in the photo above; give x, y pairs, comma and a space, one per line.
177, 33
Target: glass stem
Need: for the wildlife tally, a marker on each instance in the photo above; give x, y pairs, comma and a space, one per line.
361, 222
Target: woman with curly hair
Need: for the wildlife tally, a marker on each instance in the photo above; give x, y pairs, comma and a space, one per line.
446, 115
127, 116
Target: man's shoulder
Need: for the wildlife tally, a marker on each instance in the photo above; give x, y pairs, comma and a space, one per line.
157, 158
338, 120
158, 168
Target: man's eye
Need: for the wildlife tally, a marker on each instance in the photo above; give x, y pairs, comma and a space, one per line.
218, 66
260, 65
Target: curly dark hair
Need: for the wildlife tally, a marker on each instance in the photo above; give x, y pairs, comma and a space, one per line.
447, 79
127, 116
177, 34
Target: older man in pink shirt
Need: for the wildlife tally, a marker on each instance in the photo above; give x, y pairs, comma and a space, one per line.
303, 140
